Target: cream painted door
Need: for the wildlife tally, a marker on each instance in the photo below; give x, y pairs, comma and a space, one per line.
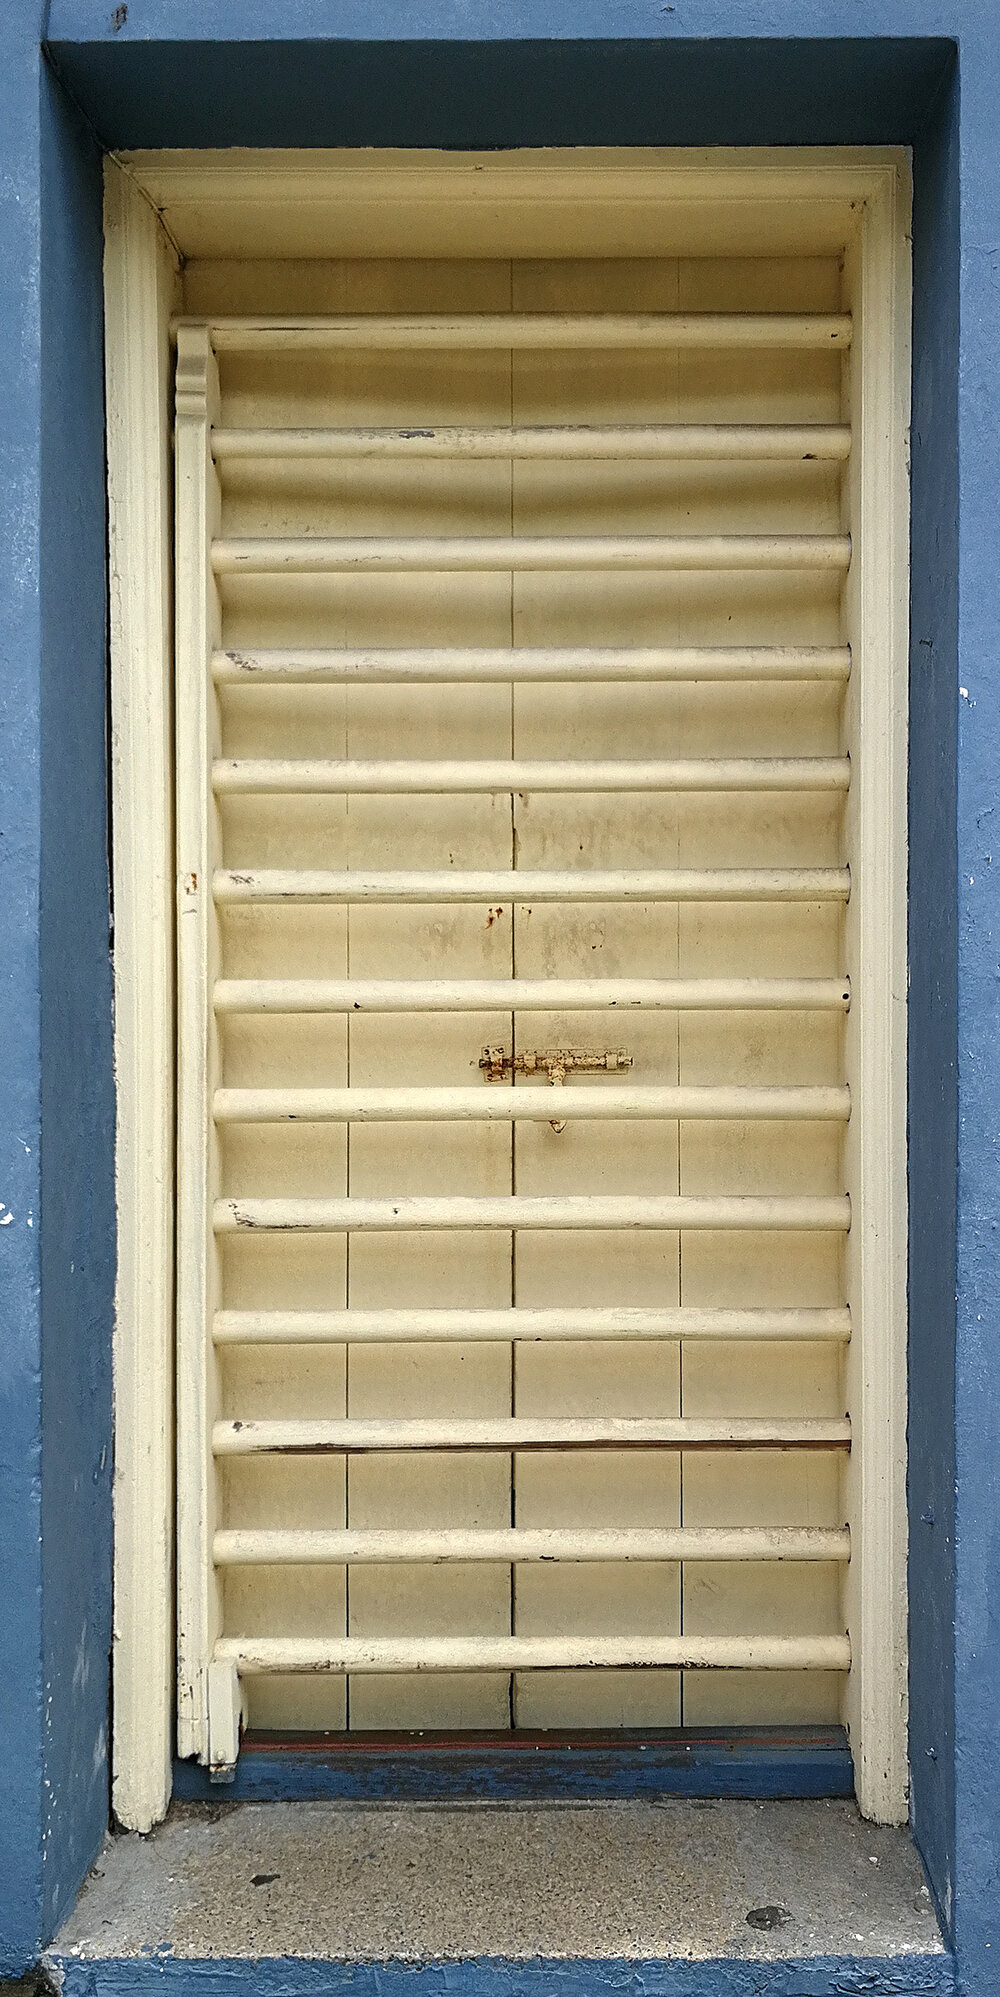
547, 585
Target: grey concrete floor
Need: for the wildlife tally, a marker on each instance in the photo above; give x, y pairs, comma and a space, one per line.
354, 1882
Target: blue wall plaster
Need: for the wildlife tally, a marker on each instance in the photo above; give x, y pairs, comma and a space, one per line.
77, 1214
161, 91
933, 988
20, 1106
458, 72
56, 1158
491, 1976
977, 1361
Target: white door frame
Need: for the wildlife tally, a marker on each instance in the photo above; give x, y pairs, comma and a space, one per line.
868, 193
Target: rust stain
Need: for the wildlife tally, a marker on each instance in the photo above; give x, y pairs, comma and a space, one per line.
555, 1062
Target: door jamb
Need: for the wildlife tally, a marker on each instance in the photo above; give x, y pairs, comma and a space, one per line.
141, 292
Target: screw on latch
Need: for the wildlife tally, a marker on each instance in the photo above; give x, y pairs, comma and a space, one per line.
555, 1062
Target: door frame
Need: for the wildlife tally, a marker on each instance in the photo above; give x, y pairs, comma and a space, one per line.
158, 206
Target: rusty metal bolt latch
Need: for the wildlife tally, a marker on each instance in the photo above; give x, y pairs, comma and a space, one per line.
555, 1062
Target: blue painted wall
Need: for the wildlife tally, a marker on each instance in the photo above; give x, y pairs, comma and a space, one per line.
977, 1352
151, 85
56, 1153
486, 72
933, 987
20, 1105
77, 1215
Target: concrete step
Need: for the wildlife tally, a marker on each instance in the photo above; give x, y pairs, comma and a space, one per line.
688, 1898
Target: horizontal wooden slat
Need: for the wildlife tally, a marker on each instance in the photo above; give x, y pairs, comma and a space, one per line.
253, 1655
361, 1438
358, 1327
749, 1212
559, 331
304, 554
750, 442
255, 1548
383, 995
301, 777
447, 666
538, 1102
782, 884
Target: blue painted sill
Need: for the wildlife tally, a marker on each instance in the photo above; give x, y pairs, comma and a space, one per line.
421, 1767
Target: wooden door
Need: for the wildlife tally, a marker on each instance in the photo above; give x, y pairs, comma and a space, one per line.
511, 717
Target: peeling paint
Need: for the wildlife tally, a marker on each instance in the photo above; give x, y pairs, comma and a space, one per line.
912, 1976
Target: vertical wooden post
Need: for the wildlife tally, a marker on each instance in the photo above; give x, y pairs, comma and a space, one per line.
140, 291
877, 597
197, 632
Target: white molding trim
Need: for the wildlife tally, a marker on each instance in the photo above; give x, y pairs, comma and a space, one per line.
541, 202
203, 195
196, 633
878, 275
140, 290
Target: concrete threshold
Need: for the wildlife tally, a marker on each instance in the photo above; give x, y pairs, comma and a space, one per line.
683, 1897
